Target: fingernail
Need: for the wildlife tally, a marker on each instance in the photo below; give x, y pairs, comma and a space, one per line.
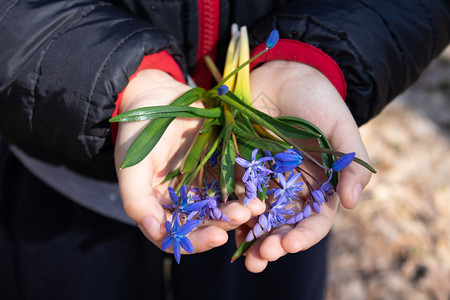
357, 193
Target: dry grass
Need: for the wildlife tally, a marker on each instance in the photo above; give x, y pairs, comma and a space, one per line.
396, 243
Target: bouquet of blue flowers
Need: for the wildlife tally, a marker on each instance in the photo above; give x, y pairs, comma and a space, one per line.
235, 134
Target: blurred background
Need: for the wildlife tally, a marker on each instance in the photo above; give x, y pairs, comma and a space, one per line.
396, 243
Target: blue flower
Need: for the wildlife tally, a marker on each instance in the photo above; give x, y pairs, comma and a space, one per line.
274, 218
210, 191
185, 204
289, 188
177, 237
287, 160
256, 175
255, 168
272, 39
213, 198
343, 162
250, 192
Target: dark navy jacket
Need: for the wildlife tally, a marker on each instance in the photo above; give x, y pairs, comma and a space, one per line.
63, 63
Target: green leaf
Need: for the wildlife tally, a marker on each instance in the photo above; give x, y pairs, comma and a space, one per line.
167, 111
261, 143
339, 154
172, 174
262, 195
144, 143
280, 128
243, 247
327, 159
227, 158
326, 149
188, 178
227, 169
245, 150
193, 157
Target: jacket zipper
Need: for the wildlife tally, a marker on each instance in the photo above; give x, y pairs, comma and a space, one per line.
209, 20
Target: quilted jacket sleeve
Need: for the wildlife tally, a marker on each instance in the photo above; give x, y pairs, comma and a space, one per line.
381, 46
63, 64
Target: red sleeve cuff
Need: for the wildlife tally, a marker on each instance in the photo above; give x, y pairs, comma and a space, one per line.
287, 49
162, 61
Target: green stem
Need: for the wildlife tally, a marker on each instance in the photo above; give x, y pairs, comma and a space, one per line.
187, 180
239, 68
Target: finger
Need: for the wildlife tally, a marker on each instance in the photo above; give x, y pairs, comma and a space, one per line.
313, 229
241, 232
202, 239
207, 238
271, 248
238, 213
352, 180
135, 184
253, 260
256, 206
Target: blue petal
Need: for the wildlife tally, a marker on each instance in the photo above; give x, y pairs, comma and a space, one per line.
257, 230
299, 217
289, 155
263, 159
272, 39
183, 193
173, 195
291, 221
307, 211
166, 243
250, 187
250, 236
188, 227
343, 161
318, 196
242, 162
282, 180
222, 90
316, 206
216, 213
285, 156
186, 244
269, 192
224, 218
254, 152
262, 220
195, 206
293, 178
176, 250
168, 225
283, 167
176, 223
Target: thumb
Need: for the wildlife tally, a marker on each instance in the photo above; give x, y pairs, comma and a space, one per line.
354, 178
139, 201
136, 189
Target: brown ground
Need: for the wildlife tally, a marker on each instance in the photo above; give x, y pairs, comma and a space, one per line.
396, 243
